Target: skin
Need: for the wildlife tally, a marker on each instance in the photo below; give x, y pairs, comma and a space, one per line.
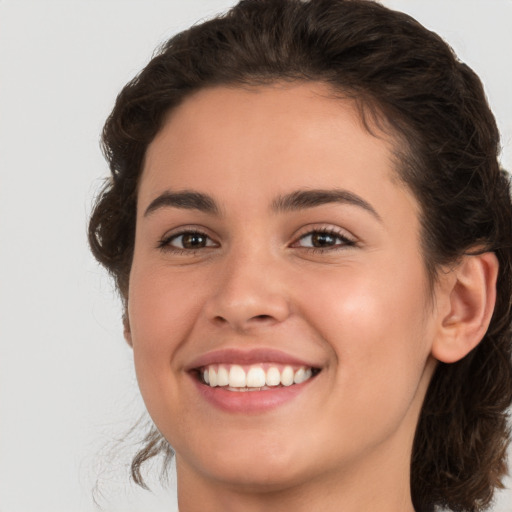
361, 310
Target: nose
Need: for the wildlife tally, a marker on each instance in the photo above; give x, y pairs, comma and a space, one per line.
250, 293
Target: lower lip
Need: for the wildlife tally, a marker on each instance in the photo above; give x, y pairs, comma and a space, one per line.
249, 402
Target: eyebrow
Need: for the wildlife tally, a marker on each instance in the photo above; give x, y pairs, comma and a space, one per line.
303, 199
298, 200
187, 200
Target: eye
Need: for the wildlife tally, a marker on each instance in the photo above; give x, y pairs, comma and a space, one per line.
324, 239
186, 241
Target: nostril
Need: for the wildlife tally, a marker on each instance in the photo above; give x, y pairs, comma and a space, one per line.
262, 317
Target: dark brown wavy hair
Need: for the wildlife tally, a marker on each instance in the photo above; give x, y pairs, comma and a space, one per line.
407, 79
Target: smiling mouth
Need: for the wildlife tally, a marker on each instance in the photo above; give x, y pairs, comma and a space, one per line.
254, 377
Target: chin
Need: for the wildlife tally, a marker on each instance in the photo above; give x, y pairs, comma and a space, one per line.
254, 476
262, 465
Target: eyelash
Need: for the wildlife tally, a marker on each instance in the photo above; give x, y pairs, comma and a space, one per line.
165, 243
342, 241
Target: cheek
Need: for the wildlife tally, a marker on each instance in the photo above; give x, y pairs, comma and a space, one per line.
374, 321
162, 311
162, 308
377, 335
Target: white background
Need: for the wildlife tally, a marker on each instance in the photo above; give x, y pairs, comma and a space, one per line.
66, 381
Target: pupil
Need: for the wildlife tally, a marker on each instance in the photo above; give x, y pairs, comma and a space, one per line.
193, 240
323, 239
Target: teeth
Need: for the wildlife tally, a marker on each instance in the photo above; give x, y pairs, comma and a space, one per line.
255, 378
287, 376
237, 377
222, 376
299, 376
273, 376
212, 377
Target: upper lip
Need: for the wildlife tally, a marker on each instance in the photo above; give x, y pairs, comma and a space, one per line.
247, 357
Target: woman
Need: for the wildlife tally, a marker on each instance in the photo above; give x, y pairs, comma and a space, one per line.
311, 235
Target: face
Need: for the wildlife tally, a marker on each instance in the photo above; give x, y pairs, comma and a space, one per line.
279, 308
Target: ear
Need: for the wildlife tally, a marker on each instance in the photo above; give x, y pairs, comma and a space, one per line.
127, 332
467, 312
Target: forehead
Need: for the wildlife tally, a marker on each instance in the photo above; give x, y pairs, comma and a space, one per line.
268, 139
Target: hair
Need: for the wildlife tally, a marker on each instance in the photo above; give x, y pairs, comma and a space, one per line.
448, 143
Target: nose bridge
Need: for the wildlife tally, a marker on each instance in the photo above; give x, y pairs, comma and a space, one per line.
250, 289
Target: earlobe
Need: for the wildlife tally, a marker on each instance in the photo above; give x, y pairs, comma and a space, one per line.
471, 299
127, 330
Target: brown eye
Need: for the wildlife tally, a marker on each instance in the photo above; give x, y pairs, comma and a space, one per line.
324, 240
187, 241
193, 240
